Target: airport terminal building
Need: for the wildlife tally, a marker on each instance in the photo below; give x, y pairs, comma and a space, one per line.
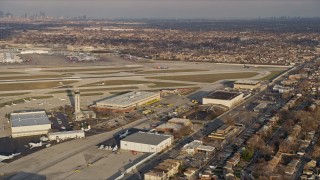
127, 101
224, 98
29, 123
146, 142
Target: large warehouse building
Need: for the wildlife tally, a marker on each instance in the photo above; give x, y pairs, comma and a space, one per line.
128, 100
224, 98
29, 123
35, 51
146, 142
246, 84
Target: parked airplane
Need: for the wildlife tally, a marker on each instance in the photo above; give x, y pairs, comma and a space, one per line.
124, 134
108, 148
114, 149
161, 67
33, 145
89, 127
101, 146
2, 157
43, 138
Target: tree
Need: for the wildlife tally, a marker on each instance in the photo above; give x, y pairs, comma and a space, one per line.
309, 125
288, 125
247, 153
286, 96
285, 114
61, 109
259, 169
304, 85
285, 146
253, 141
266, 150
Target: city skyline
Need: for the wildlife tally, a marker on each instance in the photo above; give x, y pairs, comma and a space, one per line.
165, 9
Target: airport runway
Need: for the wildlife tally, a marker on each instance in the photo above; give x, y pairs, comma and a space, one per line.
42, 160
84, 79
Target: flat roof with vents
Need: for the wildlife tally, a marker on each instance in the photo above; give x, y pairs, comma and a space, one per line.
32, 118
223, 95
128, 99
147, 138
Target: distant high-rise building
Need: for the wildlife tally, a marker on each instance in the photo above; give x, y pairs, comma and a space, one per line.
42, 14
1, 14
9, 15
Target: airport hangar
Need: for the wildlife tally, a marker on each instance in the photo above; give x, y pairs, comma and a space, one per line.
224, 98
146, 142
127, 101
246, 84
29, 123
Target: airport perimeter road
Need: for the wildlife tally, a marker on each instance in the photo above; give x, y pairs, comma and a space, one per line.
47, 157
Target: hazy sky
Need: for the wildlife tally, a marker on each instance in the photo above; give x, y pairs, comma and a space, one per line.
165, 8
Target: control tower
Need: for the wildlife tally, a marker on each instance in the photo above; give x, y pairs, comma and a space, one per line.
77, 110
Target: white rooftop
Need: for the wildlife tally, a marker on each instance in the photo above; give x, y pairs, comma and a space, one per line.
206, 148
147, 138
29, 118
66, 132
247, 81
192, 145
127, 99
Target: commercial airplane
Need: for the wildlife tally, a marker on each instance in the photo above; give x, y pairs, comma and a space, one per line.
108, 148
88, 128
124, 134
2, 157
114, 149
43, 138
105, 147
33, 145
